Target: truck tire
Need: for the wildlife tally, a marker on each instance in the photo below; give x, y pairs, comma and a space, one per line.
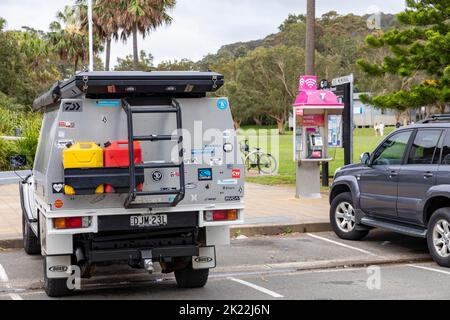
343, 220
55, 287
438, 237
31, 243
190, 278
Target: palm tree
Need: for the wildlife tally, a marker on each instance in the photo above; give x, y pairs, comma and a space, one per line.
142, 16
107, 24
68, 37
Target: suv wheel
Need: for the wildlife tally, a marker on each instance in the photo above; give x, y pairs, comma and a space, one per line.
438, 236
343, 220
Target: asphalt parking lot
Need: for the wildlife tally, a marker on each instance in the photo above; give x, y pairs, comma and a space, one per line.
297, 266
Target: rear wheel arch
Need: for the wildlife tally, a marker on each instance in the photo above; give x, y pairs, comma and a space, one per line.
434, 204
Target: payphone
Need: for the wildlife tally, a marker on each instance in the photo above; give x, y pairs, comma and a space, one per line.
315, 144
312, 109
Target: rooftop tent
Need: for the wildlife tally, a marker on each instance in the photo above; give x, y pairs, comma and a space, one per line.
124, 84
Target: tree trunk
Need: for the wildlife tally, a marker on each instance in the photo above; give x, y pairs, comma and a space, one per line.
441, 108
257, 121
76, 66
237, 125
397, 115
310, 37
108, 53
135, 49
280, 124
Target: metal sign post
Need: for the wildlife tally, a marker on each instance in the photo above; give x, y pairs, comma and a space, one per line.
343, 88
91, 37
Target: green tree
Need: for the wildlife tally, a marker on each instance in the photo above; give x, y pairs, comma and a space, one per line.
177, 65
418, 56
68, 37
127, 64
142, 16
268, 80
2, 23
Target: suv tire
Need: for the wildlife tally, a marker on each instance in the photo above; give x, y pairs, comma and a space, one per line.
343, 220
438, 236
190, 278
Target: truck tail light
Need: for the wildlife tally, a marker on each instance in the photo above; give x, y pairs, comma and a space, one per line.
72, 223
221, 215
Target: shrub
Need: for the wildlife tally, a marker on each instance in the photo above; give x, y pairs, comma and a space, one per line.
7, 149
28, 145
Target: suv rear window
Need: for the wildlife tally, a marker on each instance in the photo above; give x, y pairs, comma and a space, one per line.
424, 149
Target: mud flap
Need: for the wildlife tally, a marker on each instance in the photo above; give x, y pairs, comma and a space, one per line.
206, 258
58, 267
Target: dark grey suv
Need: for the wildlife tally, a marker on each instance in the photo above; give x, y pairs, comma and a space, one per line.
403, 186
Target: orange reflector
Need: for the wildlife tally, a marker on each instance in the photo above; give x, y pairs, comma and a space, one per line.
59, 204
232, 215
59, 223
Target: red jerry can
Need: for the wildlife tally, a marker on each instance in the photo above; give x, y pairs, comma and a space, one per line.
116, 154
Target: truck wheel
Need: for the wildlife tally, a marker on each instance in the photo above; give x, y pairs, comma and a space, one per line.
31, 243
190, 278
438, 236
55, 287
343, 220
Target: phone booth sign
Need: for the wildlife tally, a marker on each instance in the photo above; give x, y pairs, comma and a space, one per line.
312, 109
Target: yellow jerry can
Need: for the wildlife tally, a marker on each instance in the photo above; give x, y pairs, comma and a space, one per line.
83, 155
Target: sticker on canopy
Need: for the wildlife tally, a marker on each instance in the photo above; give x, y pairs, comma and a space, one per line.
227, 182
108, 103
222, 104
57, 187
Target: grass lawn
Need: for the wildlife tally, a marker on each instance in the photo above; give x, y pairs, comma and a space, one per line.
364, 141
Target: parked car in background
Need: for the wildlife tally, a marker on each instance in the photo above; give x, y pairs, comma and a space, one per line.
403, 186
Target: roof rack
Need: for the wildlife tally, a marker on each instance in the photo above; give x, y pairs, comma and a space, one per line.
437, 118
119, 85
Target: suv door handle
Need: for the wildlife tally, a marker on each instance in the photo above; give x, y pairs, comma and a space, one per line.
392, 173
428, 175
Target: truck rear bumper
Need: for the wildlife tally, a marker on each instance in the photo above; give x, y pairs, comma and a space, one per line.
158, 254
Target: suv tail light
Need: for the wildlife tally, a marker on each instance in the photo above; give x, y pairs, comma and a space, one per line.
221, 215
72, 223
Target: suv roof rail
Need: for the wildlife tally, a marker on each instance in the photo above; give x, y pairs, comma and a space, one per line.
437, 118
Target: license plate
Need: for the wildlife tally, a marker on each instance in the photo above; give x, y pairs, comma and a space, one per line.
156, 220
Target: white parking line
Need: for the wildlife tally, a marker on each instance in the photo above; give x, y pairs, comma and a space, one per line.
429, 269
256, 287
3, 276
4, 279
341, 244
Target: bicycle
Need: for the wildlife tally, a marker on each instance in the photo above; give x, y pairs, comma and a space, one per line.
256, 158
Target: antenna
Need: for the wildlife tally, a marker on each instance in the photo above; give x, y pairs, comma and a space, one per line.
91, 37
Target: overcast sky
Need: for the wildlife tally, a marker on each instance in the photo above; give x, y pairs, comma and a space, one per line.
200, 26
